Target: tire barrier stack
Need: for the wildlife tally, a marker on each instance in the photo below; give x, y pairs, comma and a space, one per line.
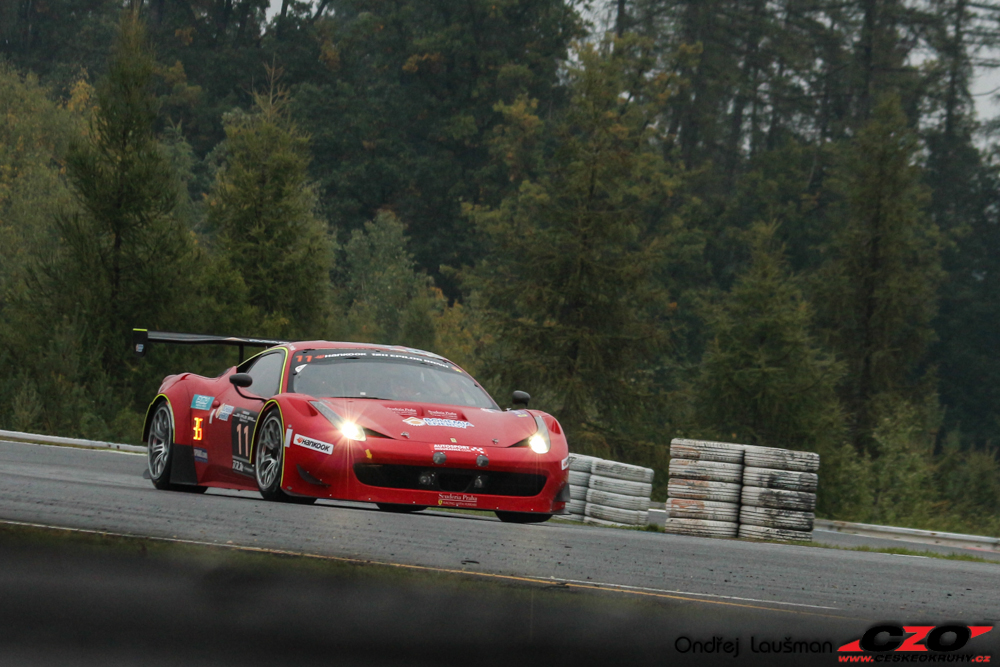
608, 493
721, 489
703, 492
779, 494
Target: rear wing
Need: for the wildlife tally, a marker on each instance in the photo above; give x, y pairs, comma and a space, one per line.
142, 338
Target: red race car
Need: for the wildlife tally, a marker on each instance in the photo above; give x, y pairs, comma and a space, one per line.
402, 428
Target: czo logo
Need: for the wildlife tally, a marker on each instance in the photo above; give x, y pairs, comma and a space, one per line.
942, 639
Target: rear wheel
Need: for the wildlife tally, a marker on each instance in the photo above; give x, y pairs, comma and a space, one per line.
522, 517
160, 447
400, 509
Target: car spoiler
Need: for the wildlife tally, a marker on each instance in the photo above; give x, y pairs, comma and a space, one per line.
141, 339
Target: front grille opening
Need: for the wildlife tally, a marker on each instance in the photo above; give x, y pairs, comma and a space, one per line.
452, 480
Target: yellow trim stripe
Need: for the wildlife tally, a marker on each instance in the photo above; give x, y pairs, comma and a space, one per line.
253, 439
149, 410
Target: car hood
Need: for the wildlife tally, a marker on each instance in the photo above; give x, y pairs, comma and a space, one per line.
476, 427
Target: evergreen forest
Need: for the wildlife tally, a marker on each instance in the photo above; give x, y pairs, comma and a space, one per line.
773, 222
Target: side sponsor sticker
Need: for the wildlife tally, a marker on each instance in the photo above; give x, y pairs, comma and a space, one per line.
201, 454
200, 402
243, 467
315, 445
242, 425
224, 411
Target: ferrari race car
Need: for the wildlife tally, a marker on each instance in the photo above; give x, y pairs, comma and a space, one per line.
402, 428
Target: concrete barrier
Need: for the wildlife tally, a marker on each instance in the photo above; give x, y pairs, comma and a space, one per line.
72, 442
911, 535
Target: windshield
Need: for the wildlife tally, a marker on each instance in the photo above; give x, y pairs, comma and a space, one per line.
387, 376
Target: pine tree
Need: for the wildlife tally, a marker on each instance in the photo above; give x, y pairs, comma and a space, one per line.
568, 288
390, 302
763, 378
123, 257
879, 287
262, 208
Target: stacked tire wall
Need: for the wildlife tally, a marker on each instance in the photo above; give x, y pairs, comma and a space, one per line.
778, 499
721, 489
608, 493
703, 492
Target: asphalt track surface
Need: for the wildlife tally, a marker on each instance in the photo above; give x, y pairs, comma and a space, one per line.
636, 593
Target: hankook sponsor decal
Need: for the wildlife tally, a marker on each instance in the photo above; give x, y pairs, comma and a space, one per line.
315, 445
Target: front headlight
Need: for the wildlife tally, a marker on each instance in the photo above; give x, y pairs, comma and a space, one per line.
348, 429
540, 442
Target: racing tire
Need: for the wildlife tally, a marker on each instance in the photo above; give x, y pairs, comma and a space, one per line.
577, 478
789, 480
616, 470
634, 503
706, 450
697, 489
773, 518
160, 447
781, 459
576, 506
577, 492
700, 527
581, 462
681, 508
616, 515
710, 471
522, 517
765, 533
269, 458
778, 499
621, 486
395, 508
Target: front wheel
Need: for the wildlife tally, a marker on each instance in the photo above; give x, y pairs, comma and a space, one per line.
160, 447
522, 517
269, 457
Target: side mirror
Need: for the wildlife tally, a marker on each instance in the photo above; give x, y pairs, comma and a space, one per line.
241, 379
520, 399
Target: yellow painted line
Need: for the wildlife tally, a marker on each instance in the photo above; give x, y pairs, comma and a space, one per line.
611, 588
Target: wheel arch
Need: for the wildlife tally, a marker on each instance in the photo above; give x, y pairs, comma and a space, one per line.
151, 410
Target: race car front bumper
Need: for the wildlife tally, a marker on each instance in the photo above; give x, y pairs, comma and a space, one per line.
381, 470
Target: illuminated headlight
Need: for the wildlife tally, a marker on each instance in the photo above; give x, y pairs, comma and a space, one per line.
348, 429
539, 442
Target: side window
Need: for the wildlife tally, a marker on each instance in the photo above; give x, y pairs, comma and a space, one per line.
266, 374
